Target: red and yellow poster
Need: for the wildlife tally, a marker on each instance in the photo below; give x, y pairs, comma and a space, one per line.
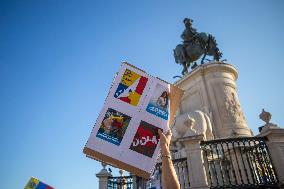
130, 87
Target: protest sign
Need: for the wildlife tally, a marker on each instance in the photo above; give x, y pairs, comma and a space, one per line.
34, 183
125, 134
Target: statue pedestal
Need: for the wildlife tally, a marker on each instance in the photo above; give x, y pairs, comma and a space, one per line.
197, 175
275, 144
103, 177
212, 89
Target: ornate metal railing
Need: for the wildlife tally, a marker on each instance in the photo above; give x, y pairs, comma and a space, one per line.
181, 170
122, 182
239, 163
127, 182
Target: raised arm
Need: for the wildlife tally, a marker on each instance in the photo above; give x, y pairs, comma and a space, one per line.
169, 176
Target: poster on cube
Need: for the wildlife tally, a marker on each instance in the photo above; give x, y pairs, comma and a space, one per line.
125, 134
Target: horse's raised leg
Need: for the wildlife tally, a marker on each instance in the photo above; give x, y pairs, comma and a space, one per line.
202, 60
185, 68
218, 54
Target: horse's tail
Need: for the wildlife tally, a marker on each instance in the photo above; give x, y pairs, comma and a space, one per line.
212, 40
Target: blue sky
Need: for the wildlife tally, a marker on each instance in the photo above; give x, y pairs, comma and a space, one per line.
58, 58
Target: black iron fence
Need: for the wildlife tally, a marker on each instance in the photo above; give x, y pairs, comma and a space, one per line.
122, 182
181, 169
239, 163
127, 182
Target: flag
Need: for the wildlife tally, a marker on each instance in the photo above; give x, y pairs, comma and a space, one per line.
34, 183
131, 87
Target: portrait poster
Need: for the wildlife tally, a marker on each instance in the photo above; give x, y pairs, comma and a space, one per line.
113, 126
125, 134
159, 102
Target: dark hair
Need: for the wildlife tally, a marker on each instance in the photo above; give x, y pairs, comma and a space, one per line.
165, 92
167, 98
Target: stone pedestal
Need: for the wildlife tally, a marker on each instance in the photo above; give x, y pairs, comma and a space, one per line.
212, 89
197, 174
275, 144
103, 177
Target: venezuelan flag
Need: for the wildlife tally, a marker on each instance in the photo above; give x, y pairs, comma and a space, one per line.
34, 183
131, 87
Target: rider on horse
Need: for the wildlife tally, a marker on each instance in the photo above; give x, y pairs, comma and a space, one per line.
195, 45
189, 33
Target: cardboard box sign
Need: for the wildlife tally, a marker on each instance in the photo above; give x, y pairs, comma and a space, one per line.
125, 134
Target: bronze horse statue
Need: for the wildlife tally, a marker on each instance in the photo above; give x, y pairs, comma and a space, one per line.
194, 46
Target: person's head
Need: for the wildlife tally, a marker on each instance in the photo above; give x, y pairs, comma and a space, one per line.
164, 94
188, 22
108, 121
189, 122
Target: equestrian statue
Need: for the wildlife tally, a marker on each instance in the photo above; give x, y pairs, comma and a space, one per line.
195, 45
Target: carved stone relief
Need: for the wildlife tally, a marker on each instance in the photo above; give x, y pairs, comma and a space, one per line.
230, 107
